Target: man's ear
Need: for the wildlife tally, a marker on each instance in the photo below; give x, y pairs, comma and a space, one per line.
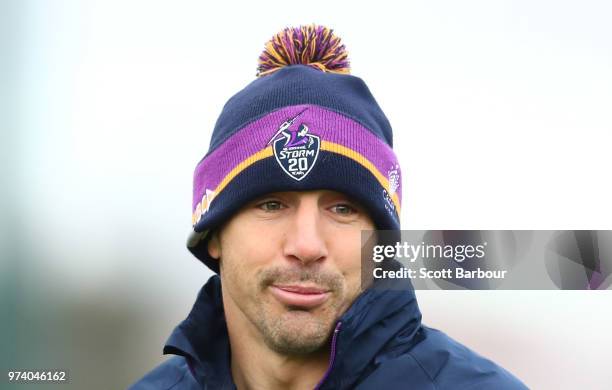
214, 246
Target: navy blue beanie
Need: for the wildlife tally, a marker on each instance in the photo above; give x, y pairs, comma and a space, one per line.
304, 124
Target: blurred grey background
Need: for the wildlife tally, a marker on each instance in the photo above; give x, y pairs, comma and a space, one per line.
501, 113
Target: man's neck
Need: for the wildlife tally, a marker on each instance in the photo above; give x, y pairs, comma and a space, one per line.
256, 368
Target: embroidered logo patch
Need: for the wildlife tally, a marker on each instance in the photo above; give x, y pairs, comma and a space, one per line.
394, 178
295, 148
202, 206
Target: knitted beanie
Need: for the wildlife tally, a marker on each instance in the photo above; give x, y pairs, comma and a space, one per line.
304, 124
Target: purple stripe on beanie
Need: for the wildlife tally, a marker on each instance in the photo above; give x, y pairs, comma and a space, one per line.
328, 125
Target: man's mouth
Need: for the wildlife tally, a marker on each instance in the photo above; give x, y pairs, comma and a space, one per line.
300, 295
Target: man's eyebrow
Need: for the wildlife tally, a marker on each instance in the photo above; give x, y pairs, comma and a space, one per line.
340, 197
271, 195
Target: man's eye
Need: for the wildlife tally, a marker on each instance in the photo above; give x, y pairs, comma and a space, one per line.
343, 209
270, 205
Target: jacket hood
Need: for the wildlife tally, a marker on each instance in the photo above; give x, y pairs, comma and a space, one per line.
381, 318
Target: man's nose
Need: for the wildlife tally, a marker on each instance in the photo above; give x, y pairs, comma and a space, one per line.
305, 240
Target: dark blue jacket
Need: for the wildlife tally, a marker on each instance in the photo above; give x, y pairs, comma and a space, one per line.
379, 343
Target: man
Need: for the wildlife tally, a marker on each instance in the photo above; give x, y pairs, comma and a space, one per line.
300, 163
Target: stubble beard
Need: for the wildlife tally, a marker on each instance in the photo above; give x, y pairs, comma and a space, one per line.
297, 331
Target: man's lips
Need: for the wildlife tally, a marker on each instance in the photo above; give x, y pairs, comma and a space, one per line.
301, 296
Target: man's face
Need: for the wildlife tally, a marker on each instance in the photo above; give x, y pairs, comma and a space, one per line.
290, 266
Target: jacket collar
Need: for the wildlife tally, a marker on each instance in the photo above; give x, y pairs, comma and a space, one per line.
379, 317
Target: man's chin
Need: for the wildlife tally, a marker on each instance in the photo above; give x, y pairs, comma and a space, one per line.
298, 332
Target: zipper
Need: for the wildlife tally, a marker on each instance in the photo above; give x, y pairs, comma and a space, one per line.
332, 356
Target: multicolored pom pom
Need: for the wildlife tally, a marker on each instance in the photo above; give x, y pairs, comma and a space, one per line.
312, 45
